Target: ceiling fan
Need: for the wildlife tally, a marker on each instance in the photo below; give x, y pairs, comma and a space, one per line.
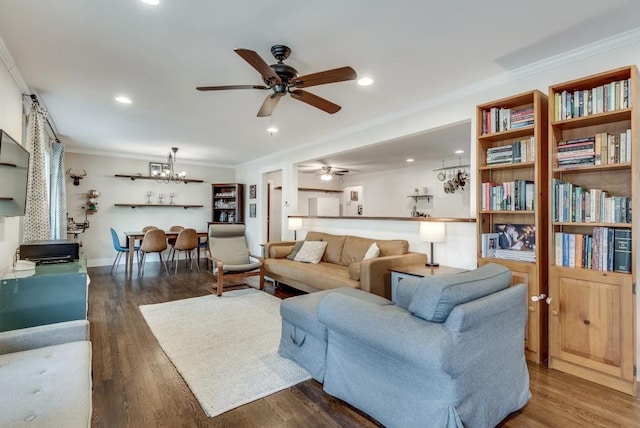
281, 79
327, 172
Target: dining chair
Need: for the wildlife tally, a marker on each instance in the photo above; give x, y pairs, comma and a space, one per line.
154, 241
187, 242
172, 241
230, 255
148, 228
120, 250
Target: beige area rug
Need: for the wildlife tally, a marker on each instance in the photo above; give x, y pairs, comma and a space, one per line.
225, 348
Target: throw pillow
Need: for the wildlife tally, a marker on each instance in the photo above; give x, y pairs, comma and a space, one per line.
354, 271
294, 251
372, 252
311, 252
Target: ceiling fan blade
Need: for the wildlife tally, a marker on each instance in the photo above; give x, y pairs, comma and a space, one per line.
223, 88
258, 63
269, 105
315, 101
324, 77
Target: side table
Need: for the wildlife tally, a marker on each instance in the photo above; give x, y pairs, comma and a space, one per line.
418, 271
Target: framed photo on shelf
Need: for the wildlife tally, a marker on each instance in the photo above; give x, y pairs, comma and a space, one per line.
354, 195
489, 244
252, 210
155, 168
252, 191
516, 236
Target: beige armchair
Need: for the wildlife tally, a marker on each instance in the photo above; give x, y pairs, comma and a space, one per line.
230, 255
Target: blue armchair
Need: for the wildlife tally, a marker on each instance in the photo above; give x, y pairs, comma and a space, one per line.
449, 353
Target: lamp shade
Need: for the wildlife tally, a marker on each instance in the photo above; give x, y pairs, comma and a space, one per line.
432, 231
295, 223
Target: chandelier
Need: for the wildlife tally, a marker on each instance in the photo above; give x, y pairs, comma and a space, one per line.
168, 173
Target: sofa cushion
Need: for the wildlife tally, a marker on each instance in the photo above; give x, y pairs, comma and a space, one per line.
393, 247
321, 276
294, 251
335, 243
354, 271
437, 295
355, 248
48, 386
372, 252
311, 252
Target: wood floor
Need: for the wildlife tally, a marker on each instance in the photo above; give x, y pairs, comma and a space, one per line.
135, 384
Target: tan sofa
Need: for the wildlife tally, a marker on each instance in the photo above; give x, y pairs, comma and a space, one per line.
341, 264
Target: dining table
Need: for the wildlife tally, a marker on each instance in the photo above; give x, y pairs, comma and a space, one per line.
132, 237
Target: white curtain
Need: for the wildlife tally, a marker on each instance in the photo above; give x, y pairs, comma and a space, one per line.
36, 220
58, 193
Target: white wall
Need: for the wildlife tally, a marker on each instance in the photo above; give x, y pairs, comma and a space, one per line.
386, 194
96, 241
11, 122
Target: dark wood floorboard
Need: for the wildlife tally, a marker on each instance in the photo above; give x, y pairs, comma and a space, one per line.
135, 384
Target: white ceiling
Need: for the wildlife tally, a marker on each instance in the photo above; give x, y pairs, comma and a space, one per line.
77, 55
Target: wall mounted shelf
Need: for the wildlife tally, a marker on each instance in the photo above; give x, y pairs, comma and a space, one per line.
311, 189
148, 177
158, 206
416, 197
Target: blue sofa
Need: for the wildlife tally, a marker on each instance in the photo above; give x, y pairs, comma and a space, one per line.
448, 353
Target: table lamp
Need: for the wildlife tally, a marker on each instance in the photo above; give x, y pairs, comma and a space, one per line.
295, 223
432, 231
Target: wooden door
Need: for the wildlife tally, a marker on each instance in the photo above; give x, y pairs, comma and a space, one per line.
591, 326
535, 333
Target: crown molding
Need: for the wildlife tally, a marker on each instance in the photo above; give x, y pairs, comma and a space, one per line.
8, 61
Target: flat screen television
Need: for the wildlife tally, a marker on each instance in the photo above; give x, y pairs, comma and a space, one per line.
14, 173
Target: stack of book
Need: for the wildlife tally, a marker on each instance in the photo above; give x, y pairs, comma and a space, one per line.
504, 119
515, 195
521, 118
579, 103
516, 152
600, 149
572, 203
523, 256
607, 249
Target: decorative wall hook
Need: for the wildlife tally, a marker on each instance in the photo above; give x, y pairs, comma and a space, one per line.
76, 176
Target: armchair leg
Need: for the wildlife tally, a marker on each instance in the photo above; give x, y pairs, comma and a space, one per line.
220, 282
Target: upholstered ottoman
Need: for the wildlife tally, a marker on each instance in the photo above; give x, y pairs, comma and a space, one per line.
304, 338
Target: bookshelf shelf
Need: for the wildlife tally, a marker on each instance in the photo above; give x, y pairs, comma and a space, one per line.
500, 186
593, 132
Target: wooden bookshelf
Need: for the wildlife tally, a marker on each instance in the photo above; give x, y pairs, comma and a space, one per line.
227, 203
498, 206
592, 331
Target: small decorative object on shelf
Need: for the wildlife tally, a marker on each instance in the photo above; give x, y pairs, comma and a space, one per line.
149, 193
160, 199
92, 204
171, 196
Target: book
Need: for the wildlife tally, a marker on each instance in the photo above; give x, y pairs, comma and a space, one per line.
622, 250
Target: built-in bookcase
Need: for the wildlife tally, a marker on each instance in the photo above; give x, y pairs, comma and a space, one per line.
593, 164
512, 180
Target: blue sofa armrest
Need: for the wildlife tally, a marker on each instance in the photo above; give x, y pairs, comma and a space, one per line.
43, 335
422, 343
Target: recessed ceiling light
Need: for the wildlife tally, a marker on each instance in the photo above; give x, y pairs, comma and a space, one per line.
123, 99
410, 160
151, 2
459, 152
365, 81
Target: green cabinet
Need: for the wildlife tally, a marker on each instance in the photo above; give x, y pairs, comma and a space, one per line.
53, 293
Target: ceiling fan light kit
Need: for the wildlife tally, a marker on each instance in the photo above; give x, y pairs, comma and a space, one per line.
283, 79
